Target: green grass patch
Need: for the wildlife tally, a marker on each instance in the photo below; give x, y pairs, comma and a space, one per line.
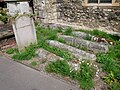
60, 67
27, 54
11, 50
111, 63
83, 75
33, 63
101, 34
44, 34
68, 31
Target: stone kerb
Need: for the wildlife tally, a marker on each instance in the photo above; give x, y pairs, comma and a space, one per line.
24, 31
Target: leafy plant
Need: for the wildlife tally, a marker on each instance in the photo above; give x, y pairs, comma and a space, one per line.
3, 16
99, 33
68, 31
11, 50
33, 63
85, 74
61, 40
44, 34
115, 86
110, 78
27, 54
59, 67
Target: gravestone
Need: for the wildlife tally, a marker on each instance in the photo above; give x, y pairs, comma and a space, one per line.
18, 8
24, 31
23, 7
12, 8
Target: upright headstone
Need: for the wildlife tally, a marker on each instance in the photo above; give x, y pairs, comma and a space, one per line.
24, 31
23, 7
18, 8
12, 8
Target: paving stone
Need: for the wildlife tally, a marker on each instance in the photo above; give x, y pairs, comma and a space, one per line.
80, 54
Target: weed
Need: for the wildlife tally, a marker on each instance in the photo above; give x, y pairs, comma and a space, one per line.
61, 40
99, 33
110, 78
59, 52
11, 50
27, 54
68, 31
33, 63
3, 16
83, 75
44, 34
115, 86
111, 64
82, 48
59, 67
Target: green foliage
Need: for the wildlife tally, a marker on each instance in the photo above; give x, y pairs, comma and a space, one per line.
68, 31
111, 64
82, 48
115, 86
27, 54
59, 52
3, 16
104, 35
101, 34
11, 50
44, 34
83, 75
61, 40
110, 78
59, 67
33, 63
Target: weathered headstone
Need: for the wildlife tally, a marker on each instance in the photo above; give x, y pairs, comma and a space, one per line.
12, 7
18, 8
24, 31
23, 7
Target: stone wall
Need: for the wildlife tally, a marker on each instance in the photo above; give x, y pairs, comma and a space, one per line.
73, 11
45, 10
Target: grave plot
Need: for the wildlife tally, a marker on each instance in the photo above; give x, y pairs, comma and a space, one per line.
58, 52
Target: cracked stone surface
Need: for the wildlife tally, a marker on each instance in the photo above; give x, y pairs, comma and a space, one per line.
44, 54
93, 46
74, 51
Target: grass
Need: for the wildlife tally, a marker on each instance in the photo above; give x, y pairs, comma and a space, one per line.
111, 63
43, 34
11, 50
101, 34
83, 75
60, 67
27, 54
68, 31
33, 63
